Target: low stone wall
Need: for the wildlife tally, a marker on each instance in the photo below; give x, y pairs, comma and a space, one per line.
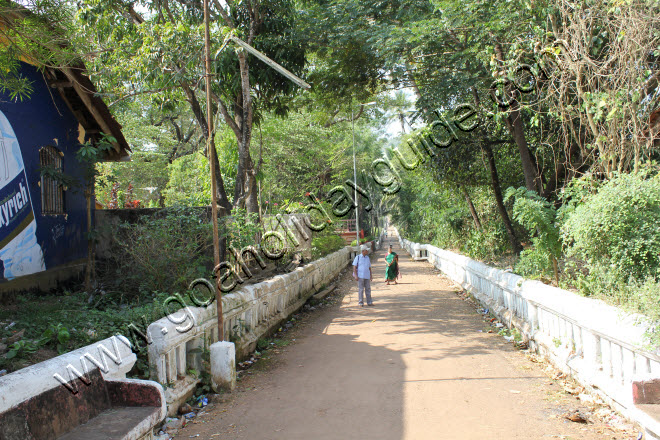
113, 356
249, 313
599, 345
175, 341
32, 396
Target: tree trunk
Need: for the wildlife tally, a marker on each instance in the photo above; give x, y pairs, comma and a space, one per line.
201, 120
555, 268
517, 130
473, 211
223, 214
245, 192
515, 125
497, 190
221, 196
253, 199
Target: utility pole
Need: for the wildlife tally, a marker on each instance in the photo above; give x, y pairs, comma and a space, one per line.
357, 225
212, 159
211, 142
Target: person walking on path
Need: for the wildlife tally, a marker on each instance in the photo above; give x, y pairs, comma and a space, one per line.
392, 269
362, 274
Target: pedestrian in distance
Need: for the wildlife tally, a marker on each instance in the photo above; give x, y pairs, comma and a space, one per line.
392, 269
362, 274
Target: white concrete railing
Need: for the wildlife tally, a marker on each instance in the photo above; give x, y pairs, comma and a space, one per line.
598, 344
249, 313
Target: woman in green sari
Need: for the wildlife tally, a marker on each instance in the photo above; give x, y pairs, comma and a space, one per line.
392, 270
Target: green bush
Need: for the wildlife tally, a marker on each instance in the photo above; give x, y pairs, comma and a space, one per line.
644, 296
189, 182
160, 253
326, 244
533, 263
57, 335
42, 318
242, 228
615, 231
362, 241
454, 219
539, 218
485, 244
22, 348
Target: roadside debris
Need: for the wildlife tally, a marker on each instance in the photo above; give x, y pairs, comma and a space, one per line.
572, 388
171, 427
202, 401
576, 416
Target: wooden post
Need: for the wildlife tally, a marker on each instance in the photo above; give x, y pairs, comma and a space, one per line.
212, 154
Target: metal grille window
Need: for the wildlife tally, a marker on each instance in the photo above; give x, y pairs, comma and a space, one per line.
52, 193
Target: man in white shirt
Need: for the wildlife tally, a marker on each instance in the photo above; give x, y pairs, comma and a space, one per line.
362, 274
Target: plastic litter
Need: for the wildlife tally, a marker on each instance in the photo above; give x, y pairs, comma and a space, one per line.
202, 401
190, 415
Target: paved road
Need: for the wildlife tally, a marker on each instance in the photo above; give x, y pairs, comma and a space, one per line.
418, 365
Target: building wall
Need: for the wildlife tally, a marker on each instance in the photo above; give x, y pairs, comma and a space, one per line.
41, 120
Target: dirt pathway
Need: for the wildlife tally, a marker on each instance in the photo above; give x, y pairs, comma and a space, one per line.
418, 365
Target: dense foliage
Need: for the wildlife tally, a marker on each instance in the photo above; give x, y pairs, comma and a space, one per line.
162, 253
614, 231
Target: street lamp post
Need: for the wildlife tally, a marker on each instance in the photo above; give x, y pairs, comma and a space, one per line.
357, 227
211, 145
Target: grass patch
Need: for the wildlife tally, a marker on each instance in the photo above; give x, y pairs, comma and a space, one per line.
47, 325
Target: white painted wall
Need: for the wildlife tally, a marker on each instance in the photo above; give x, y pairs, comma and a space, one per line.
113, 356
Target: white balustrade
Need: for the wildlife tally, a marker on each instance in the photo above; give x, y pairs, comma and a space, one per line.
249, 313
601, 346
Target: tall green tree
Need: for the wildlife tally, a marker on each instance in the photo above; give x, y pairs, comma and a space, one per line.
155, 48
